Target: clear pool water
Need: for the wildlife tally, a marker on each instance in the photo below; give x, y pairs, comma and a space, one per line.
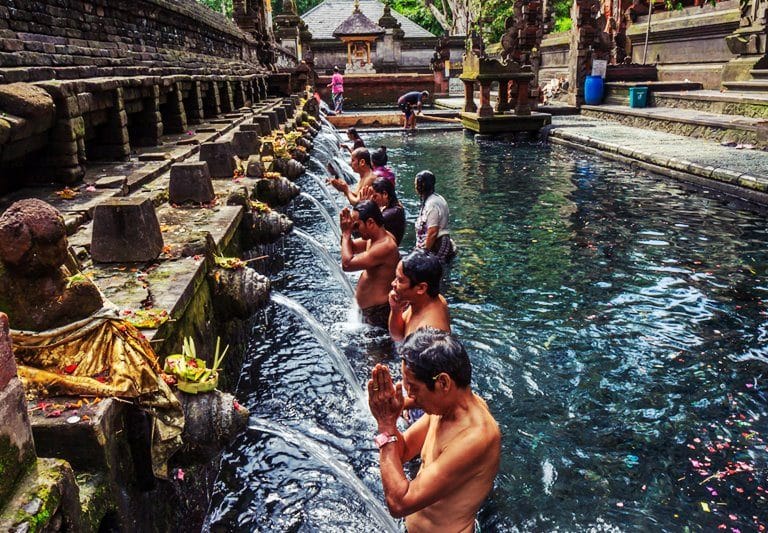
618, 329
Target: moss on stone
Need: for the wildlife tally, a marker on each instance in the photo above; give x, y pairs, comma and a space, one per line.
11, 466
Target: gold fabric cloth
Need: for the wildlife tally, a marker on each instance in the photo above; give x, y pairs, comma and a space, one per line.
103, 356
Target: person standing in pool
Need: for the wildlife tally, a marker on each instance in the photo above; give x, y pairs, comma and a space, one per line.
360, 161
432, 232
375, 253
382, 192
458, 440
410, 104
415, 301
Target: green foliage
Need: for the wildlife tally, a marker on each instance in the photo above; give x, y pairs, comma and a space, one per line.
413, 9
216, 5
416, 11
562, 24
562, 14
302, 6
494, 14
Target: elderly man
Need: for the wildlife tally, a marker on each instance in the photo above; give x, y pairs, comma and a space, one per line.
459, 441
375, 252
360, 160
415, 300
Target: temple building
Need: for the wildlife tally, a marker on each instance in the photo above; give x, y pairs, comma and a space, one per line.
367, 36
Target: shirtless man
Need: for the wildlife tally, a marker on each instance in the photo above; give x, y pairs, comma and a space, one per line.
360, 160
375, 252
459, 441
415, 300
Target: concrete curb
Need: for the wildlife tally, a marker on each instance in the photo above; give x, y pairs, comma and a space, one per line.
743, 186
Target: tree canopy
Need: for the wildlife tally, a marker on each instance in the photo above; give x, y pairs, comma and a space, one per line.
488, 15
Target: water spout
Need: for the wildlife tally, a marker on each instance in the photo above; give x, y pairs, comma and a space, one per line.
329, 460
333, 223
321, 334
329, 260
326, 191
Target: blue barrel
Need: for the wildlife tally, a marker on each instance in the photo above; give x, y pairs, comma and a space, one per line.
593, 90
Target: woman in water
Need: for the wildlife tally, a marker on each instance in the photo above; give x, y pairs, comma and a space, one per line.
382, 192
379, 162
353, 136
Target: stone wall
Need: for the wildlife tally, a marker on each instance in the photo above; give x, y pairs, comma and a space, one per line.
68, 39
107, 76
688, 44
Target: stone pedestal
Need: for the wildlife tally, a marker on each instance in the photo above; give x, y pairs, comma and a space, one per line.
126, 230
220, 158
251, 127
245, 143
264, 123
282, 116
190, 182
274, 121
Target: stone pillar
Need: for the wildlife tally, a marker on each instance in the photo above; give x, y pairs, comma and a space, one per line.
502, 103
211, 102
225, 97
67, 136
469, 97
485, 109
174, 116
148, 127
193, 103
112, 141
238, 94
523, 104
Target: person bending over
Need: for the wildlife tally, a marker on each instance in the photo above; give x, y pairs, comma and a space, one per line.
375, 253
409, 102
415, 301
459, 441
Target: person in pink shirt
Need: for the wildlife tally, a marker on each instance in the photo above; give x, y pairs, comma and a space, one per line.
337, 90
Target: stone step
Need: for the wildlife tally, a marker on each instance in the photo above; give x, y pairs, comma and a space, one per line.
759, 73
617, 92
757, 85
689, 122
747, 104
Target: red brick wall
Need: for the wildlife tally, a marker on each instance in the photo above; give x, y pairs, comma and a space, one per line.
377, 89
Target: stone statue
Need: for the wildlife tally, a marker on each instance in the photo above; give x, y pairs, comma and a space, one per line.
36, 290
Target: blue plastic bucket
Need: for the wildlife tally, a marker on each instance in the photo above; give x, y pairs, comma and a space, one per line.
593, 90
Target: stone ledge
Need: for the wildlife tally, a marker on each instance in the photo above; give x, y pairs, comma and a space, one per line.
736, 184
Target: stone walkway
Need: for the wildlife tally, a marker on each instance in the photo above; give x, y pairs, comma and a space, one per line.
738, 172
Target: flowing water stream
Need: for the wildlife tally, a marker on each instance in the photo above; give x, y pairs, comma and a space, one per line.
618, 329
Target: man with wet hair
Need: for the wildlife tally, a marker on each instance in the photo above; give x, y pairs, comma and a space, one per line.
360, 160
375, 252
458, 440
415, 300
